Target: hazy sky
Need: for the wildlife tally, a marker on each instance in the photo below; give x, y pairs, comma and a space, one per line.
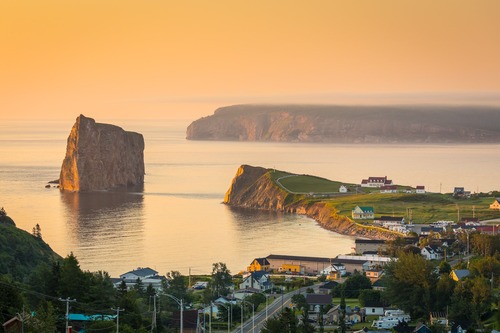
182, 59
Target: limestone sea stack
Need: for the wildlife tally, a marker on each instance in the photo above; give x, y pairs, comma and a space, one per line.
101, 157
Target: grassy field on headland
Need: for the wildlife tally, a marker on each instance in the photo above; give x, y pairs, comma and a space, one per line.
423, 208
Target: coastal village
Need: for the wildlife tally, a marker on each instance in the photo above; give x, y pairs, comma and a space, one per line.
447, 246
348, 292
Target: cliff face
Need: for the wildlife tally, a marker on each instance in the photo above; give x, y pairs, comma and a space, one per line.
350, 124
252, 187
101, 157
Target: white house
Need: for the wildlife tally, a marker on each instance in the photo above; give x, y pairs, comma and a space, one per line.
343, 189
388, 189
258, 280
334, 268
376, 182
431, 252
362, 213
374, 310
420, 189
146, 275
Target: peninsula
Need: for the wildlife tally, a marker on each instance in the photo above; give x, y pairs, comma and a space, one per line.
350, 124
101, 157
334, 204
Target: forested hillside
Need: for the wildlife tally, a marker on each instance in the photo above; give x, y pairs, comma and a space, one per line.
20, 251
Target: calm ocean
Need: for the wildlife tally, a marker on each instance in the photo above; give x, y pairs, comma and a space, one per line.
178, 221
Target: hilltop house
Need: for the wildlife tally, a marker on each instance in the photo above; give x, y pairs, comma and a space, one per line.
420, 189
388, 189
363, 213
495, 204
376, 182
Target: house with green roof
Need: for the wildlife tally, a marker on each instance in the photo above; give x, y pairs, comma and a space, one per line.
363, 213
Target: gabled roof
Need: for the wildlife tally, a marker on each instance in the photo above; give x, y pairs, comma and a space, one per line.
143, 272
328, 285
262, 261
420, 187
461, 273
365, 209
257, 275
321, 299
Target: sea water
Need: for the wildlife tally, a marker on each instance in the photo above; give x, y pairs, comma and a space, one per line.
178, 222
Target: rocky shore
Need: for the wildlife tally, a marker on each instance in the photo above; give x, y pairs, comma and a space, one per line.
253, 188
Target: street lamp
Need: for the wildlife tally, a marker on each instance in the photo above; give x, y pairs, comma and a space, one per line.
228, 308
253, 315
179, 301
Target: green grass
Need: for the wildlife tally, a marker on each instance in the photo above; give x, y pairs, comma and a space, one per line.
352, 302
424, 208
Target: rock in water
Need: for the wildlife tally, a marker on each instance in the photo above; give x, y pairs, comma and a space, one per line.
101, 157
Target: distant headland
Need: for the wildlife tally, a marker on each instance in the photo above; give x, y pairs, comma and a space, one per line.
350, 124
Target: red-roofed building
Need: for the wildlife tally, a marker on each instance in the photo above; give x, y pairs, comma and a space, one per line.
376, 182
420, 189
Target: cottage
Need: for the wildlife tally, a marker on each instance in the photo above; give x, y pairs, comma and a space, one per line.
259, 264
459, 274
146, 275
420, 189
376, 182
363, 213
432, 252
334, 271
374, 309
495, 204
259, 280
388, 189
343, 189
438, 318
374, 274
327, 287
317, 301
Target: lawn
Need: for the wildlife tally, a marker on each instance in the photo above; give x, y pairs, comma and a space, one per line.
422, 208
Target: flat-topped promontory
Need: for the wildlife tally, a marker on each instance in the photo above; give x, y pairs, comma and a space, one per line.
350, 124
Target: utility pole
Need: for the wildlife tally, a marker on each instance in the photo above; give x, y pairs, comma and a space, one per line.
117, 318
67, 300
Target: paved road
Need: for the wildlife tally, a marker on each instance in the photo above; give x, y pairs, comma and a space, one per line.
254, 325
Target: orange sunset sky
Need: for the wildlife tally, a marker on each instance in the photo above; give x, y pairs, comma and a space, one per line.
182, 59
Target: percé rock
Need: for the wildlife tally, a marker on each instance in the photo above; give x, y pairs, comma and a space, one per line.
253, 188
350, 124
101, 157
